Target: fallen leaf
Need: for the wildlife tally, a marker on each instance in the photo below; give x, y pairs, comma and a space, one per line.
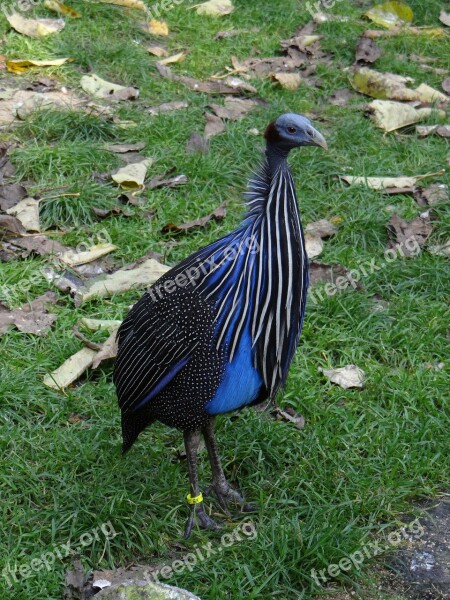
220, 35
382, 183
214, 8
231, 85
288, 81
446, 85
217, 215
156, 50
99, 88
234, 109
74, 258
39, 245
32, 317
322, 228
367, 51
160, 181
437, 193
313, 245
390, 14
132, 176
403, 232
61, 8
167, 107
440, 249
11, 225
123, 148
426, 130
432, 32
11, 194
70, 370
27, 211
76, 418
390, 115
444, 17
138, 4
197, 144
100, 324
19, 65
34, 28
346, 377
108, 350
214, 126
104, 213
263, 67
288, 414
156, 27
388, 86
326, 273
121, 281
175, 58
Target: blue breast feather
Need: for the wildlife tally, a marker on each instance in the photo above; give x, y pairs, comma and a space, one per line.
241, 382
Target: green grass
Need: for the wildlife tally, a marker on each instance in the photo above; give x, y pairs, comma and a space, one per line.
363, 456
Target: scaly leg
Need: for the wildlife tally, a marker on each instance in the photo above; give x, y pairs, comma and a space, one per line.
224, 492
191, 442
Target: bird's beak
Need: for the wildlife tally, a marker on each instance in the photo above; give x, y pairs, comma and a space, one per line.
318, 140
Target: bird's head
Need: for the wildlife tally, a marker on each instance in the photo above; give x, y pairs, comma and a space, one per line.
291, 131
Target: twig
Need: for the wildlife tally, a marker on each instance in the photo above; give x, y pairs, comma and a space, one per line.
92, 345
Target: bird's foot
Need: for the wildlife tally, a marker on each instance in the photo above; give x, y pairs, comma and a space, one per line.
227, 495
198, 514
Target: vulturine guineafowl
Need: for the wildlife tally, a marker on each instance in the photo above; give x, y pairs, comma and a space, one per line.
218, 332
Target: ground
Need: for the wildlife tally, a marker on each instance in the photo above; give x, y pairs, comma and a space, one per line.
364, 457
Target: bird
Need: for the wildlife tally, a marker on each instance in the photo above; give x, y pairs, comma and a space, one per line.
218, 331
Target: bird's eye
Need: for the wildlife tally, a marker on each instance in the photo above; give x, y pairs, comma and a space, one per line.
291, 130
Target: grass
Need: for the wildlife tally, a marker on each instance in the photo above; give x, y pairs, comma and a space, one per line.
362, 457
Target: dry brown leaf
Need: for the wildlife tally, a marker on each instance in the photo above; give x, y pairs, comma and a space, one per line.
234, 109
167, 107
288, 414
402, 232
437, 193
99, 88
11, 194
61, 8
123, 148
346, 377
432, 32
320, 273
32, 317
440, 130
108, 350
231, 85
197, 144
34, 28
132, 176
27, 211
341, 97
70, 370
367, 51
390, 115
157, 50
39, 245
156, 27
217, 215
10, 225
288, 81
214, 8
160, 181
322, 228
214, 126
122, 280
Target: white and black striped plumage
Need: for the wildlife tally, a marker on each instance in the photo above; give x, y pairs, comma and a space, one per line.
219, 330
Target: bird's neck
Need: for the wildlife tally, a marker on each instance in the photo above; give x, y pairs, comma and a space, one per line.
276, 158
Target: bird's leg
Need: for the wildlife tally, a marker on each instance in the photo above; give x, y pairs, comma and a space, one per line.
224, 492
191, 442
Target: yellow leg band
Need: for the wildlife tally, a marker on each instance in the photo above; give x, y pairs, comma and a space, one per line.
195, 499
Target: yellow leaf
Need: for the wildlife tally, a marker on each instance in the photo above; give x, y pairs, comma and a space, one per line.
389, 115
61, 8
390, 14
176, 58
381, 183
214, 8
21, 65
35, 28
157, 50
70, 370
132, 176
98, 87
156, 27
288, 81
138, 4
74, 258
